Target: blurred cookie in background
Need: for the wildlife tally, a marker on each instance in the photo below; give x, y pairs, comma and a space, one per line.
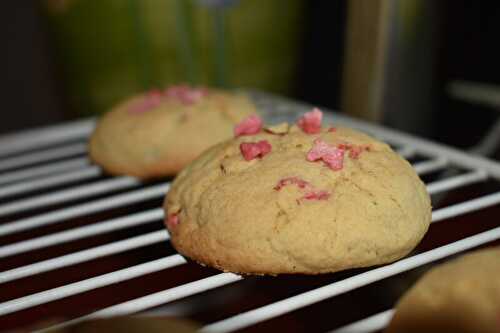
157, 133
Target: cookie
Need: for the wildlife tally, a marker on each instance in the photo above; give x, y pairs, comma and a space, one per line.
297, 199
461, 296
157, 133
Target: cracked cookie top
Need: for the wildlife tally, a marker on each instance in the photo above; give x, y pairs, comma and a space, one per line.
297, 198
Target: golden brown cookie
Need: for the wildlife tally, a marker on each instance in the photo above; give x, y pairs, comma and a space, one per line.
297, 199
157, 133
461, 296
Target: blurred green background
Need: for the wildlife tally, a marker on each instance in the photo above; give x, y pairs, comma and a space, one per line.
111, 49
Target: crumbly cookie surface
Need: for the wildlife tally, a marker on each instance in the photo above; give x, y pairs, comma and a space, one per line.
461, 296
297, 199
157, 133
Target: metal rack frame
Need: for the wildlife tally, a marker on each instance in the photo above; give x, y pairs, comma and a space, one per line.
34, 162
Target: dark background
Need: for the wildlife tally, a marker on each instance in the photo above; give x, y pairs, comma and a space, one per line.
32, 89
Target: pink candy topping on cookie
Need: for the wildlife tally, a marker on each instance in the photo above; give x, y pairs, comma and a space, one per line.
310, 122
251, 150
312, 193
151, 100
185, 94
172, 220
316, 195
250, 125
354, 150
332, 156
289, 181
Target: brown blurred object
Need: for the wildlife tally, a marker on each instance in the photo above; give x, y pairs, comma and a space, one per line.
389, 68
365, 49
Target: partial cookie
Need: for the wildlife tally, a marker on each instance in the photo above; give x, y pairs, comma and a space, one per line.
297, 199
462, 296
157, 133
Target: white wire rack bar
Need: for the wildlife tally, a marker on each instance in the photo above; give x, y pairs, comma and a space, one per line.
90, 284
406, 152
31, 139
46, 169
475, 92
371, 324
47, 154
430, 166
42, 156
84, 255
51, 181
456, 181
468, 206
162, 297
82, 232
169, 295
84, 209
62, 196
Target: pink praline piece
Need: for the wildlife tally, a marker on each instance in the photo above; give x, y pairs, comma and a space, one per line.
149, 101
185, 94
172, 220
252, 150
289, 181
316, 195
331, 156
249, 126
310, 122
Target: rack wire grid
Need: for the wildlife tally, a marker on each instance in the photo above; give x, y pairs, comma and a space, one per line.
77, 244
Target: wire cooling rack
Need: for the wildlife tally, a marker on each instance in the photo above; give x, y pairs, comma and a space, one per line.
77, 244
